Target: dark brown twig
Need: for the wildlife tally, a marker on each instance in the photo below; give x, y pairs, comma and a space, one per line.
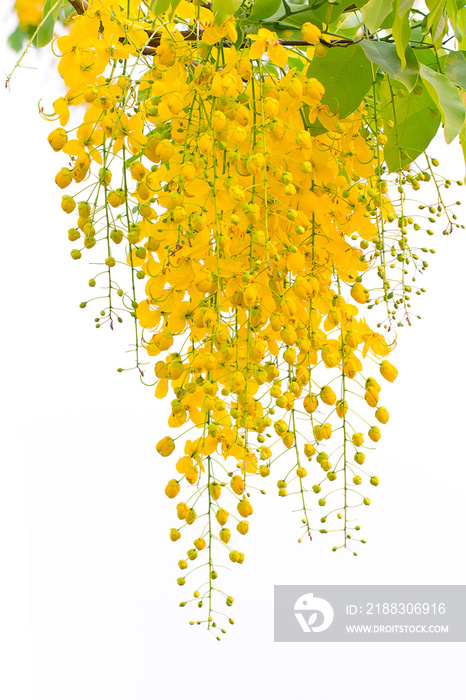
154, 39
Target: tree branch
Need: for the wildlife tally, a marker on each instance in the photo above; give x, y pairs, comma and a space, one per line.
154, 39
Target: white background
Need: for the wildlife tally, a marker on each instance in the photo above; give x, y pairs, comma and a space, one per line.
88, 599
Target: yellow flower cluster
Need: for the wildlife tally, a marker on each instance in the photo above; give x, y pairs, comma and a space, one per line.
29, 12
238, 196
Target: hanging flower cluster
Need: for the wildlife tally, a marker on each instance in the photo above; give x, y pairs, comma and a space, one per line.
203, 179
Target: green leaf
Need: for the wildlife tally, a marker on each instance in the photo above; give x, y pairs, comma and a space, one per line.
45, 34
375, 12
461, 22
298, 63
263, 9
174, 5
463, 142
67, 11
315, 129
411, 121
300, 18
385, 55
388, 21
322, 13
144, 95
49, 16
222, 9
53, 6
404, 6
435, 22
448, 100
276, 17
428, 58
346, 76
455, 68
451, 9
158, 7
436, 8
328, 12
282, 30
401, 29
16, 39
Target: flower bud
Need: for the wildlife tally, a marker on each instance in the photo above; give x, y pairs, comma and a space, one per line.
309, 450
237, 484
191, 516
182, 511
172, 489
64, 178
68, 204
243, 527
165, 446
244, 508
174, 534
388, 371
382, 414
341, 408
327, 395
57, 139
225, 535
311, 33
359, 293
215, 490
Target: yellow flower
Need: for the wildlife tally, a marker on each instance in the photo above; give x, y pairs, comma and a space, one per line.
214, 32
29, 12
267, 41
